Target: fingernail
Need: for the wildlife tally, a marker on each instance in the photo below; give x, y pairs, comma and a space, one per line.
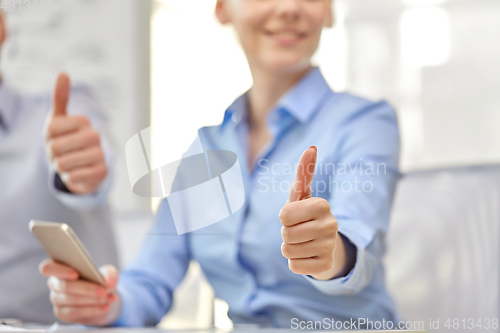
65, 177
102, 293
112, 298
314, 147
104, 307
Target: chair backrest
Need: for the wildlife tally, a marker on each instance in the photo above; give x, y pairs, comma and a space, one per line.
443, 247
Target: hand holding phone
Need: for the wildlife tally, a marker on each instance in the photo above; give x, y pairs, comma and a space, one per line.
79, 291
80, 301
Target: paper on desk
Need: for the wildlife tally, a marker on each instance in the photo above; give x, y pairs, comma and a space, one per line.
7, 328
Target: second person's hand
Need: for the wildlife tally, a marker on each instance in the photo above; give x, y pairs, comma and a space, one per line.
79, 301
72, 145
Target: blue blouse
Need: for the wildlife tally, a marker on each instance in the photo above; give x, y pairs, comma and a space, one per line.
357, 171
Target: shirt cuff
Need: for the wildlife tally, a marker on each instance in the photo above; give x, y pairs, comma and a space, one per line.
353, 282
128, 316
78, 201
59, 184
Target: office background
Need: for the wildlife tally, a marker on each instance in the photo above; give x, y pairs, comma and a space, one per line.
169, 62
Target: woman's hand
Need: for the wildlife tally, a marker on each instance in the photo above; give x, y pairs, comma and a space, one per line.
311, 241
79, 301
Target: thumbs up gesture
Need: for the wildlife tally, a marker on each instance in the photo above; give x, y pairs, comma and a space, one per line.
311, 242
72, 145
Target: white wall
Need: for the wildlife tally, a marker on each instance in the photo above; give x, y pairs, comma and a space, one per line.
437, 62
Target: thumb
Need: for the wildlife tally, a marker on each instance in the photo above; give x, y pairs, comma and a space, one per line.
111, 275
61, 95
301, 187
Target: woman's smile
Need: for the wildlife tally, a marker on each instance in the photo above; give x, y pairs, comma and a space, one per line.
286, 37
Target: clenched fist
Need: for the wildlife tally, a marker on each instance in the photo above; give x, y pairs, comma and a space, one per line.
311, 241
72, 145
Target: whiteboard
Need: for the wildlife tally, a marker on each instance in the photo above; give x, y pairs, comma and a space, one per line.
102, 43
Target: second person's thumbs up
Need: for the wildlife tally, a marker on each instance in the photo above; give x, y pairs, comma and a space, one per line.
61, 95
72, 145
309, 229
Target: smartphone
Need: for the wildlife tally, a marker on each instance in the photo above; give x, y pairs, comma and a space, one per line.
63, 246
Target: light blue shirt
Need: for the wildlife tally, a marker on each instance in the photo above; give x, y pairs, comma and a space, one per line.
27, 191
357, 171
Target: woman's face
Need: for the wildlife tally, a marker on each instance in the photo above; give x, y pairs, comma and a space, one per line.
278, 35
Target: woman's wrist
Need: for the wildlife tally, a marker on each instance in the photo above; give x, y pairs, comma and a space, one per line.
344, 259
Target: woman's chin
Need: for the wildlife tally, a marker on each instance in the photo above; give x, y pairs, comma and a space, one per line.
287, 64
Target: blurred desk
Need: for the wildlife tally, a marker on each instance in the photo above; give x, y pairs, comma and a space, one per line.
246, 330
73, 329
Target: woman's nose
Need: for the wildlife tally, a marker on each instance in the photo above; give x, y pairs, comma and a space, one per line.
288, 9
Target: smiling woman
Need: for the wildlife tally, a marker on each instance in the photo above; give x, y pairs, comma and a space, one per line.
285, 255
176, 116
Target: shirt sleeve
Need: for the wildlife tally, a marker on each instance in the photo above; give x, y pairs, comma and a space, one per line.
82, 101
146, 287
363, 186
